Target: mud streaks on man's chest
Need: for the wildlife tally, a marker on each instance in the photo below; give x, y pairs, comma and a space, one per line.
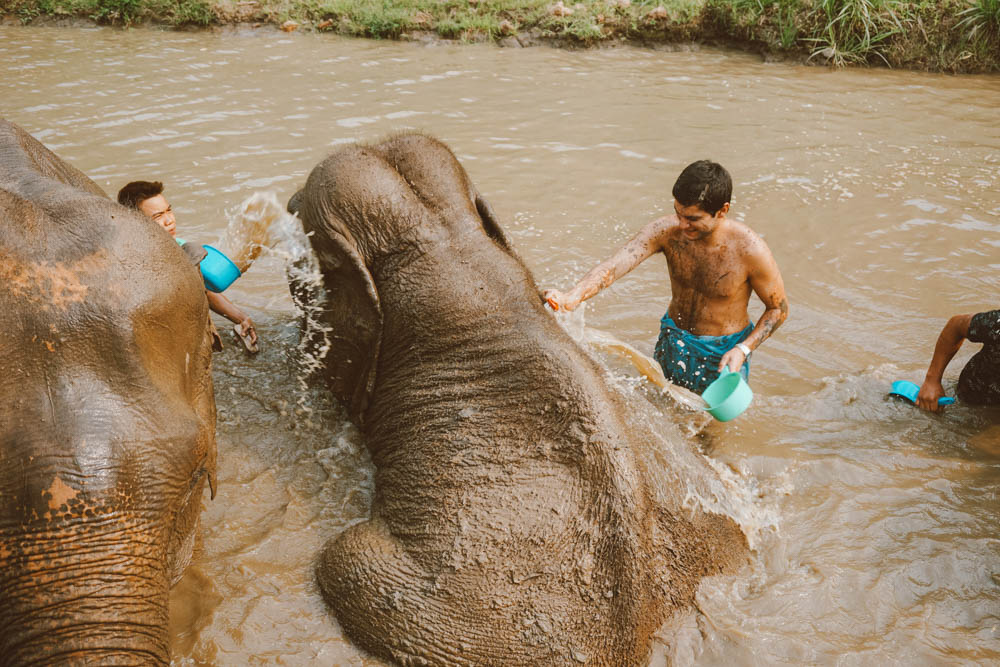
715, 271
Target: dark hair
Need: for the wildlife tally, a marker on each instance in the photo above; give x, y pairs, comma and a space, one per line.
705, 183
136, 192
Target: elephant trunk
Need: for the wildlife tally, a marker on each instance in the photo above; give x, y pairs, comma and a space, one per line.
103, 600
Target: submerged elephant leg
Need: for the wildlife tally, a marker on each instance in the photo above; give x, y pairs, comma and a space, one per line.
391, 606
689, 548
372, 585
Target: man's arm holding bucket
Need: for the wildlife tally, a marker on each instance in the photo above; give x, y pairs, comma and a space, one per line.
766, 282
948, 343
223, 306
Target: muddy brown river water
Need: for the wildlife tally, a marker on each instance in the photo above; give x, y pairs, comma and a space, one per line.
875, 526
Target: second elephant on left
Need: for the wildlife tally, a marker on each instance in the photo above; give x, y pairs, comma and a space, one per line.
107, 417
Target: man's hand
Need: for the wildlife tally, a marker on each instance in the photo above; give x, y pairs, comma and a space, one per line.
246, 329
559, 301
930, 392
734, 359
247, 334
955, 331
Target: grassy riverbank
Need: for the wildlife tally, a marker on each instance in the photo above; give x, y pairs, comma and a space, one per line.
939, 35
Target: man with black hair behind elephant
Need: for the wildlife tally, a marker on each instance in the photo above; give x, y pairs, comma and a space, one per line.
714, 263
147, 198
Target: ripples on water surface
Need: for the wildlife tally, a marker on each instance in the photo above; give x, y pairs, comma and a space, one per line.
876, 525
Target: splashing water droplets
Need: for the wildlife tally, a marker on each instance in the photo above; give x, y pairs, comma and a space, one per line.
260, 222
731, 492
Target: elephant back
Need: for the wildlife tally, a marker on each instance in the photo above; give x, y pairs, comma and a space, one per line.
22, 156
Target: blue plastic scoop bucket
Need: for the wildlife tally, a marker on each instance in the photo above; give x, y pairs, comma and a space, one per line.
217, 270
909, 391
728, 396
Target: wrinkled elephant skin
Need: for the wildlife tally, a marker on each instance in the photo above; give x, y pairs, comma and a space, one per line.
513, 521
107, 418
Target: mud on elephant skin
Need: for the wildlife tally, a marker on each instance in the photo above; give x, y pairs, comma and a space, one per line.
513, 521
107, 417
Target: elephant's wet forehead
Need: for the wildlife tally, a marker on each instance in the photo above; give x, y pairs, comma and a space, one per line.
57, 284
61, 317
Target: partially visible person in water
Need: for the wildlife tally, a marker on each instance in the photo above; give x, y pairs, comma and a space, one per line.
979, 382
715, 264
147, 197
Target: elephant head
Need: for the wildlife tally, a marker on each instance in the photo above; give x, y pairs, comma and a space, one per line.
513, 521
107, 417
350, 253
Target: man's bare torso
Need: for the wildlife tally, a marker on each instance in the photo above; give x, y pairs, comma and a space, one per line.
709, 278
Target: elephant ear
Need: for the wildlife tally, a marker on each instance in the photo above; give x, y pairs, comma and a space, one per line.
352, 314
295, 203
490, 223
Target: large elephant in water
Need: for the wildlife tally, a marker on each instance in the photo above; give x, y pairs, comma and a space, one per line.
513, 520
107, 417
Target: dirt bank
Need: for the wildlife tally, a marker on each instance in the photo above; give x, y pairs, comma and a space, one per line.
960, 36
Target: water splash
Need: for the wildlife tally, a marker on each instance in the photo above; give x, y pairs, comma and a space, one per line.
728, 491
258, 223
255, 224
573, 323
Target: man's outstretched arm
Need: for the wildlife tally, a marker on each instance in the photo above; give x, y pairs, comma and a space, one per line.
767, 284
639, 248
954, 333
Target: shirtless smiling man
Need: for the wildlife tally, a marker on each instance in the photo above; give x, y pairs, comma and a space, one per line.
714, 264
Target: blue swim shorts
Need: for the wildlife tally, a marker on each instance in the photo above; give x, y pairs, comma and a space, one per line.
693, 361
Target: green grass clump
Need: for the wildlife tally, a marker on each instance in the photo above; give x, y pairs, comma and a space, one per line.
982, 18
949, 35
855, 30
193, 12
123, 12
372, 18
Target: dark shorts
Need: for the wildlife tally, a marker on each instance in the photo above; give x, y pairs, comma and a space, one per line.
979, 383
693, 361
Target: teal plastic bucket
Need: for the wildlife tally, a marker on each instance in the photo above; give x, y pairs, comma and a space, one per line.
217, 270
909, 391
728, 396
